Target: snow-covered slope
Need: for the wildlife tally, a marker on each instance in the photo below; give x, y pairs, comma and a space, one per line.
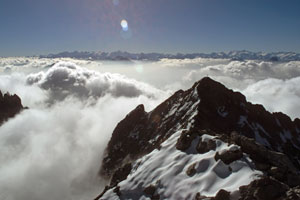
175, 174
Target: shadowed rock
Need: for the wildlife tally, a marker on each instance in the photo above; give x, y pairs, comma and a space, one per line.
264, 189
10, 105
229, 156
222, 195
204, 146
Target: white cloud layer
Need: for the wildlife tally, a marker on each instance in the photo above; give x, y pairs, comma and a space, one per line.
65, 79
277, 95
53, 151
246, 72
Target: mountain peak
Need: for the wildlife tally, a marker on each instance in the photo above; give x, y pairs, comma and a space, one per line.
206, 108
207, 81
214, 91
207, 105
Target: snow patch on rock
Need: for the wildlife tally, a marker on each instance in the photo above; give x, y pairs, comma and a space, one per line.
166, 169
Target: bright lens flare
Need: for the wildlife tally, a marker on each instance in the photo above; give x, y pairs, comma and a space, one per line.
124, 25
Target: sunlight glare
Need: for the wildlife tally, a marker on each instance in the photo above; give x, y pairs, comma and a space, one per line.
124, 25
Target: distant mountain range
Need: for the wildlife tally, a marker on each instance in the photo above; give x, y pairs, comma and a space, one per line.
126, 56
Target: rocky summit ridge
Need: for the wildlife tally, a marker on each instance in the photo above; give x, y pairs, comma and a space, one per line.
213, 140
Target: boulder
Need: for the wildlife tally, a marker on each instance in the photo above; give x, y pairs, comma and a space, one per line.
222, 195
185, 140
191, 171
229, 156
203, 146
150, 190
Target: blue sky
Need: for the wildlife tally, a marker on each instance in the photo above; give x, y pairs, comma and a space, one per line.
31, 27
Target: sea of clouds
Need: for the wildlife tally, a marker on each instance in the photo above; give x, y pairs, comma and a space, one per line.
53, 150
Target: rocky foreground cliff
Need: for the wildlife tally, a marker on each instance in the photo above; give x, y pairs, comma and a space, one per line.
207, 142
10, 105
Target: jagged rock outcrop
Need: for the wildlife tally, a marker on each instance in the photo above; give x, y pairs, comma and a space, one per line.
10, 105
218, 109
271, 140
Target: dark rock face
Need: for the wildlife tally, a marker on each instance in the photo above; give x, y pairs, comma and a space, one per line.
151, 192
272, 140
265, 158
264, 189
274, 164
10, 105
222, 195
120, 174
185, 140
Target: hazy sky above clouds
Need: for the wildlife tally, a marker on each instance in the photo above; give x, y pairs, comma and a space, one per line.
30, 27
